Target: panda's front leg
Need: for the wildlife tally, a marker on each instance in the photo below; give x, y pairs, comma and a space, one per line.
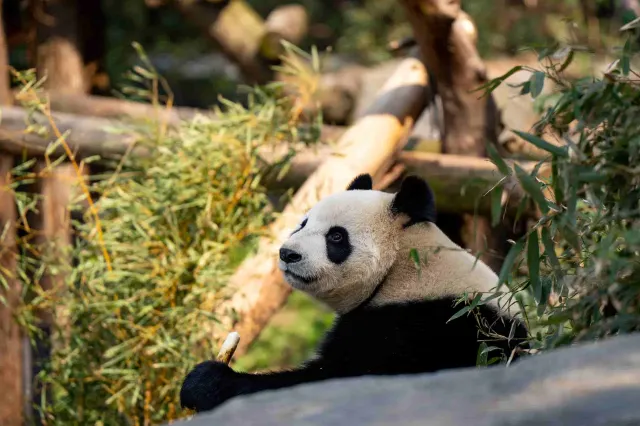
211, 383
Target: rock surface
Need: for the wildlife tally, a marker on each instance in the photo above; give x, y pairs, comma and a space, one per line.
595, 384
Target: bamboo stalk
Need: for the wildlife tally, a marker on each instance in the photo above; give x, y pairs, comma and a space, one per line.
229, 346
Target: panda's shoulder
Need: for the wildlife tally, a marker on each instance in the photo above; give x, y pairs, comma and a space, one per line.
409, 322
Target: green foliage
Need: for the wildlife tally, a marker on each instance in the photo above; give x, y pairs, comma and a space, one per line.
370, 26
152, 262
582, 255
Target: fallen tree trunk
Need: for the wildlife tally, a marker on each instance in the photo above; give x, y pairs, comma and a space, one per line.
257, 288
89, 136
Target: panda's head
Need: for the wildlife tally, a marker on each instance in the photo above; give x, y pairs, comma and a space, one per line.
346, 244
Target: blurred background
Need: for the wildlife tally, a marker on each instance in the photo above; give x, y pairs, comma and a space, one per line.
206, 51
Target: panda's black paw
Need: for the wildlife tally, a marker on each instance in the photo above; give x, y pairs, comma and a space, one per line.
208, 385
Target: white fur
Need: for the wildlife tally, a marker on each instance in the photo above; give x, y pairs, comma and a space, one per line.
381, 251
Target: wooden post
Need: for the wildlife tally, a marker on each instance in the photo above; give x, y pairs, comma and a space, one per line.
51, 227
58, 188
11, 367
257, 289
59, 54
5, 88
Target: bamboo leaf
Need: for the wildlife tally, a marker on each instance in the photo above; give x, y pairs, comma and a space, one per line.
509, 260
532, 188
542, 144
460, 313
550, 253
496, 205
497, 160
533, 263
536, 83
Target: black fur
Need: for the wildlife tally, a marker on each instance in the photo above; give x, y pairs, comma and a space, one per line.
395, 339
338, 250
415, 199
362, 182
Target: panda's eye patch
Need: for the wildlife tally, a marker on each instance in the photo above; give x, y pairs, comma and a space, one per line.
336, 235
338, 246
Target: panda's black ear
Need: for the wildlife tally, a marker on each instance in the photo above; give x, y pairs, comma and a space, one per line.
363, 182
415, 199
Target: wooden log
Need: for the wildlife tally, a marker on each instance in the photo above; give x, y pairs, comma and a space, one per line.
243, 36
11, 367
114, 108
285, 23
5, 88
88, 136
457, 180
257, 289
235, 28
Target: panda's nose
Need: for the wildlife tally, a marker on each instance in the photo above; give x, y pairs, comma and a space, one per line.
289, 256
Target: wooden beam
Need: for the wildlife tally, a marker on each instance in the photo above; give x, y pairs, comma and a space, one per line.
457, 180
114, 108
59, 52
88, 136
257, 289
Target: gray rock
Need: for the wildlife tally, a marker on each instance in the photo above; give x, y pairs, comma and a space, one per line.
595, 384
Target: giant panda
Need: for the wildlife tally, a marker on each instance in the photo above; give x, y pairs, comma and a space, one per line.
356, 252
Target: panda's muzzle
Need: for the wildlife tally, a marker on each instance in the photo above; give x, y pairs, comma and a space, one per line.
289, 256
